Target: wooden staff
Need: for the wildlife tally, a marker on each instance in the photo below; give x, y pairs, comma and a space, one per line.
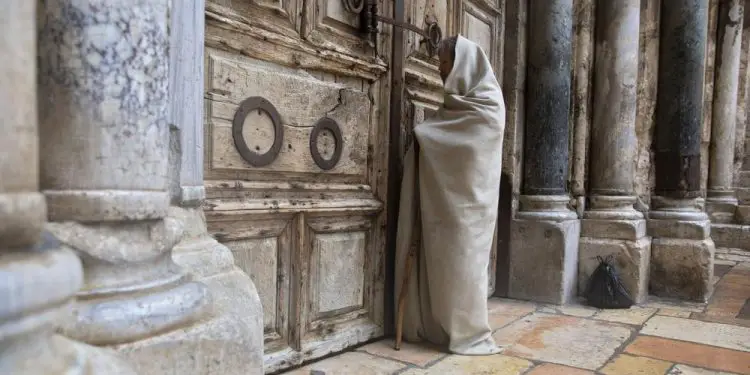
415, 243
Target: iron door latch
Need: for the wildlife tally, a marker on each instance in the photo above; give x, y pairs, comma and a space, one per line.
369, 18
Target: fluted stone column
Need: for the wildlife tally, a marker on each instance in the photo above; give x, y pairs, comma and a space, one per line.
237, 320
545, 232
721, 201
103, 85
38, 278
682, 252
611, 225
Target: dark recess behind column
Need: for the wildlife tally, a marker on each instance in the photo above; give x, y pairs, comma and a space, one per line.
679, 106
550, 50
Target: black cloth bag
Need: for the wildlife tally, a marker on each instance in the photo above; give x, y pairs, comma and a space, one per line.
605, 290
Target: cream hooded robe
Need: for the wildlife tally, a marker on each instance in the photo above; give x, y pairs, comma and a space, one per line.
451, 196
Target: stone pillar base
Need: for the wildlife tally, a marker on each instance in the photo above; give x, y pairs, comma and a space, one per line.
742, 215
627, 242
733, 236
544, 251
682, 258
721, 209
230, 339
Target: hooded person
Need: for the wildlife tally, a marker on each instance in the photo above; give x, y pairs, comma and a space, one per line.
448, 207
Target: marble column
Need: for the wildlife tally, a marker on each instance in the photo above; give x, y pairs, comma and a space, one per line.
611, 225
103, 86
38, 278
237, 318
721, 201
545, 232
682, 252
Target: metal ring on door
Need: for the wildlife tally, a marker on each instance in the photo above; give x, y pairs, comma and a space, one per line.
261, 105
326, 123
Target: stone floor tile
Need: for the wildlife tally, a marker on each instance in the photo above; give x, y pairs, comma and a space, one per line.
565, 340
724, 262
744, 312
625, 364
510, 306
504, 311
635, 315
467, 365
722, 269
553, 369
674, 313
352, 363
417, 354
674, 304
720, 319
689, 370
715, 334
698, 355
580, 311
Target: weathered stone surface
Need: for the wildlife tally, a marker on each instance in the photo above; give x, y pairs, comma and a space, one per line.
613, 229
544, 257
353, 363
459, 365
625, 364
691, 354
695, 230
635, 315
714, 334
682, 268
679, 369
731, 236
631, 259
563, 340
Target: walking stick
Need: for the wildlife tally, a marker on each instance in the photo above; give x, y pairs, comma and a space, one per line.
415, 242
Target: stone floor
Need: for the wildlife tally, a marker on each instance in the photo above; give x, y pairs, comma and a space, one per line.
659, 337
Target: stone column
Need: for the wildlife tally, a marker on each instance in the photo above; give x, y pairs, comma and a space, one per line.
238, 316
545, 232
682, 252
611, 226
721, 201
103, 85
38, 277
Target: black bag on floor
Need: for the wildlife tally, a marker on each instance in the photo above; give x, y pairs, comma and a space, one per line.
605, 290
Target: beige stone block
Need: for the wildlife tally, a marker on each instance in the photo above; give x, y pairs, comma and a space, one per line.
419, 354
635, 315
696, 230
731, 235
613, 229
570, 309
690, 330
631, 259
464, 365
680, 369
743, 214
682, 268
564, 340
625, 364
543, 260
351, 363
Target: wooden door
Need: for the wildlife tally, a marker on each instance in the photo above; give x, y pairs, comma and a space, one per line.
296, 167
478, 20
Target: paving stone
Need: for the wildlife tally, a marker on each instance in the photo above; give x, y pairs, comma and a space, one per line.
565, 340
351, 363
724, 262
625, 364
673, 312
553, 369
689, 370
715, 334
720, 319
744, 312
417, 354
469, 365
721, 269
505, 311
674, 304
635, 315
698, 355
572, 310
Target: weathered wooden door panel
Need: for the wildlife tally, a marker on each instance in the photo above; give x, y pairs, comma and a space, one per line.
295, 168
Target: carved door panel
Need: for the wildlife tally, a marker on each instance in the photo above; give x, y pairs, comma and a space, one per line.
296, 168
477, 20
